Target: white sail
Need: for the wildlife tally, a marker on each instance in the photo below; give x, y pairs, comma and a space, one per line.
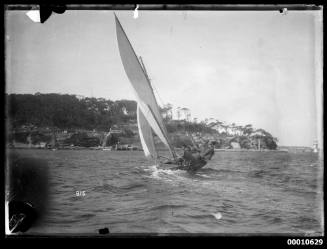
146, 135
143, 90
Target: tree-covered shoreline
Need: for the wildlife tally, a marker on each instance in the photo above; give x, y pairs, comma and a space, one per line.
84, 121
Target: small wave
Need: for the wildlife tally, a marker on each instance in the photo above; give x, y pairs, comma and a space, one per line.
271, 217
205, 176
257, 173
173, 174
167, 206
158, 173
118, 189
85, 216
307, 220
301, 191
312, 233
227, 205
211, 170
276, 220
132, 186
107, 187
201, 216
64, 221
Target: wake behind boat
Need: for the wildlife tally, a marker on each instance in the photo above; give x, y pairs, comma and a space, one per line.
149, 119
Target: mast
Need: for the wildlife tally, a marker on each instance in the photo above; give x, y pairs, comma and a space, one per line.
145, 72
147, 76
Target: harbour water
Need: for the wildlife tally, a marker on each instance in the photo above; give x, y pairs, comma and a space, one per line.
235, 193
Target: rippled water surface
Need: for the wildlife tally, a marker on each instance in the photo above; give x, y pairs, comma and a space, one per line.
236, 192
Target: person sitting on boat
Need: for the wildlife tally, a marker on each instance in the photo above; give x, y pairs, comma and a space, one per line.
191, 157
193, 161
208, 153
180, 160
199, 158
195, 158
196, 152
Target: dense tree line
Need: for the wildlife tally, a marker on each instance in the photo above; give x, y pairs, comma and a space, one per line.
68, 111
72, 112
182, 125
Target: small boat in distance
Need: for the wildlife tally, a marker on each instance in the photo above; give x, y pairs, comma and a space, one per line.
149, 119
315, 147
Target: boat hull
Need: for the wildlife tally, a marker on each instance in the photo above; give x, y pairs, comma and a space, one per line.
190, 168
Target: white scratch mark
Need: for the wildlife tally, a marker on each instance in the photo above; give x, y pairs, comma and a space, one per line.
136, 13
217, 216
7, 230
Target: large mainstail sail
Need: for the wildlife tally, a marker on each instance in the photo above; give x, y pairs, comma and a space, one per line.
148, 113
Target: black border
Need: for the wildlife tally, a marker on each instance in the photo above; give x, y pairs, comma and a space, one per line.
261, 240
185, 6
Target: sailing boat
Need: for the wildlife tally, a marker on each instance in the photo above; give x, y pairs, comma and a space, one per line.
53, 145
105, 140
149, 119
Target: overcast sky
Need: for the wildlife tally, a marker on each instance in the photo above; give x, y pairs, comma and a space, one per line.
255, 68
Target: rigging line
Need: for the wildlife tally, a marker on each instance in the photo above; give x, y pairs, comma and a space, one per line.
155, 88
162, 102
151, 82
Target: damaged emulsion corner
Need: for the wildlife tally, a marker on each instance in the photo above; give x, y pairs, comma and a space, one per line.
27, 182
42, 12
283, 11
